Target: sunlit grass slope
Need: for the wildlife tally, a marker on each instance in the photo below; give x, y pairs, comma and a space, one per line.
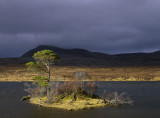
65, 73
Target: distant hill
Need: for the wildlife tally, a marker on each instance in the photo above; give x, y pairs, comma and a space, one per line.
65, 52
81, 57
73, 57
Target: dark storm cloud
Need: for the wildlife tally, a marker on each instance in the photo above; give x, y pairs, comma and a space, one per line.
110, 26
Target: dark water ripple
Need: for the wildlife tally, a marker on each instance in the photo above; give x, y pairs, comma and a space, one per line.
146, 97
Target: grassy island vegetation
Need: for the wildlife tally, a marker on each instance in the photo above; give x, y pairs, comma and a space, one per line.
67, 104
70, 100
69, 95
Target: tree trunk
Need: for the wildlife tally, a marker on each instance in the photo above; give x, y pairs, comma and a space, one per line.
49, 74
48, 88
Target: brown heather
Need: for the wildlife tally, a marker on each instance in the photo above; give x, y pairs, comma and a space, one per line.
65, 73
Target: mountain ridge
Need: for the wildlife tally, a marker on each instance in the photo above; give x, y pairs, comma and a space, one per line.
82, 57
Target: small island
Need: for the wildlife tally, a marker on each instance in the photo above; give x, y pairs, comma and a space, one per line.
68, 102
68, 95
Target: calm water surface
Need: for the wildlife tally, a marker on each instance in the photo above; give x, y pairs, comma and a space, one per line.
146, 97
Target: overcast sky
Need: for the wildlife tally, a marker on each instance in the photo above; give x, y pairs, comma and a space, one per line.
109, 26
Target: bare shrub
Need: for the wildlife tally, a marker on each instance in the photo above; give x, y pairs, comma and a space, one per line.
34, 90
70, 87
53, 92
91, 88
28, 88
80, 75
106, 96
120, 99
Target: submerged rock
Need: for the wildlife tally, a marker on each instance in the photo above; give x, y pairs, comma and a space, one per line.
26, 98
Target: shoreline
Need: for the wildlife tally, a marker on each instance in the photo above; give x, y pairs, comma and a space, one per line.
94, 81
89, 80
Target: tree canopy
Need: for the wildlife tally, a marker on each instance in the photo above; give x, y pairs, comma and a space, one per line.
44, 59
